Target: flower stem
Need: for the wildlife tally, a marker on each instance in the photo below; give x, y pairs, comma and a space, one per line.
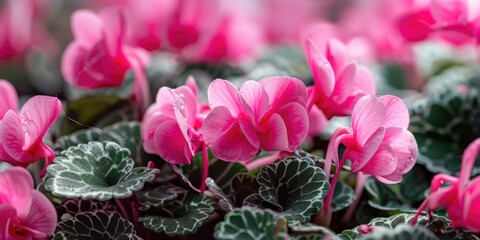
203, 186
262, 161
419, 211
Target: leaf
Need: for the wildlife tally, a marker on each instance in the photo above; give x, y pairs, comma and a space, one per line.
295, 186
97, 170
307, 230
383, 198
156, 197
443, 127
90, 112
241, 186
343, 196
125, 134
96, 225
71, 207
415, 184
402, 231
250, 224
181, 216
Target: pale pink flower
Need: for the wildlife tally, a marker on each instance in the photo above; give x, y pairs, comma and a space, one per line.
170, 125
99, 56
25, 212
462, 198
269, 114
8, 98
21, 134
339, 81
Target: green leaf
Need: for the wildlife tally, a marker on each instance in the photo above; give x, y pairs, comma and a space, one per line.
383, 198
443, 127
310, 231
415, 184
181, 216
252, 224
400, 232
90, 112
125, 134
343, 196
97, 170
95, 225
157, 197
241, 186
295, 186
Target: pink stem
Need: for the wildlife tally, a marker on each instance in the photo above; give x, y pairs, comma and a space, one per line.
419, 211
361, 180
262, 161
203, 186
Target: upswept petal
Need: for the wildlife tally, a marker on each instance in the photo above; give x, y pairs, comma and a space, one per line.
363, 83
365, 154
256, 97
295, 118
284, 90
8, 98
276, 136
115, 25
86, 27
468, 160
233, 146
13, 139
337, 55
344, 83
17, 186
42, 216
397, 113
416, 26
382, 163
322, 71
149, 126
223, 93
449, 10
170, 144
367, 115
192, 84
471, 209
37, 116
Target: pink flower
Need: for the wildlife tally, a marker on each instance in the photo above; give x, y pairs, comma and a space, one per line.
170, 125
339, 82
462, 197
25, 212
269, 114
454, 21
99, 57
379, 143
21, 134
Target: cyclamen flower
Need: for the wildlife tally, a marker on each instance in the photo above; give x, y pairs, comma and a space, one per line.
99, 57
461, 198
269, 114
379, 143
25, 212
339, 82
21, 134
170, 125
454, 21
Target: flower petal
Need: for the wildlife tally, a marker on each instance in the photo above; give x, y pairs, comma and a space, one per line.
322, 71
216, 122
37, 115
42, 216
7, 212
284, 90
17, 186
367, 116
223, 93
296, 121
382, 163
12, 139
233, 145
403, 143
8, 98
468, 160
256, 97
276, 137
86, 27
397, 113
170, 144
365, 154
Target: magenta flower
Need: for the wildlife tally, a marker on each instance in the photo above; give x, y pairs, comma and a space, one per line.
339, 82
269, 114
170, 125
25, 212
21, 134
99, 57
454, 21
461, 198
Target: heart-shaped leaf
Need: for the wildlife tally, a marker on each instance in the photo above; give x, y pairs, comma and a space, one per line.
125, 134
241, 186
402, 231
90, 112
295, 186
96, 225
343, 196
251, 224
71, 207
97, 170
181, 216
157, 196
443, 127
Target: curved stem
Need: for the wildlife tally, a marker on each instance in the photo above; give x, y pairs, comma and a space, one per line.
203, 186
359, 186
419, 211
262, 161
